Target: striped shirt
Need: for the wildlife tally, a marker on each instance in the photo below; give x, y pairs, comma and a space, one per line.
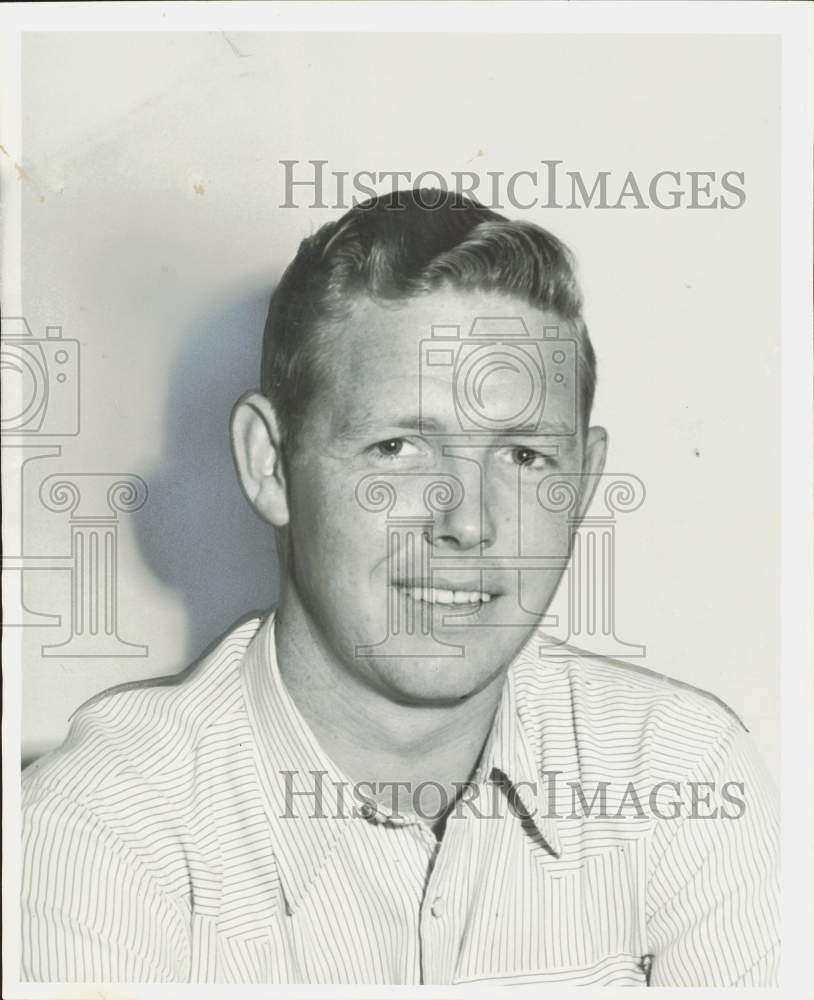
162, 842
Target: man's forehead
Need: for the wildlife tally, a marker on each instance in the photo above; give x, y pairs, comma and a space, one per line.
378, 340
366, 406
474, 312
380, 353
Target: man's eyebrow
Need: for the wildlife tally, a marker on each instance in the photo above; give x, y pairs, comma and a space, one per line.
553, 428
363, 423
367, 422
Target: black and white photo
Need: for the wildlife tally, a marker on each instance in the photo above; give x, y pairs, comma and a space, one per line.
402, 579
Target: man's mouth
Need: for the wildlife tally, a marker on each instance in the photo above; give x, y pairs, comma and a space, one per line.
443, 595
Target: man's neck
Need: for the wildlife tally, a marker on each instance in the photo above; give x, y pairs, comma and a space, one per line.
371, 737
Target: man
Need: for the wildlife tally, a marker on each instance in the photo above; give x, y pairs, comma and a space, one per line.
397, 777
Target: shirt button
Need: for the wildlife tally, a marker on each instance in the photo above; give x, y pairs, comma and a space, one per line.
367, 810
437, 908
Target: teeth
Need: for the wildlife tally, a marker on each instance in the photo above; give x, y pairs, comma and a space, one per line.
437, 595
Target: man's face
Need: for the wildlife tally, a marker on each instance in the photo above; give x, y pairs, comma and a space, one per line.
420, 545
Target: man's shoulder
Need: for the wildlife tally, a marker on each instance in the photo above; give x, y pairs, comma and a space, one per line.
605, 674
619, 708
146, 729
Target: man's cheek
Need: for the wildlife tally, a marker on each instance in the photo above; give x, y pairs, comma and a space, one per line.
543, 534
352, 541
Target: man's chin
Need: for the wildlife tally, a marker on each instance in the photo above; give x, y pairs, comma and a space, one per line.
433, 681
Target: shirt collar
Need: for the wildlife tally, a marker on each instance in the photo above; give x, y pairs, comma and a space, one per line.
297, 777
509, 759
299, 781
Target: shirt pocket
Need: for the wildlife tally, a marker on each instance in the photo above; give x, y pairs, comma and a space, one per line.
593, 908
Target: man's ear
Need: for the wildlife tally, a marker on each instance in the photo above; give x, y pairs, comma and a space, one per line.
593, 462
257, 451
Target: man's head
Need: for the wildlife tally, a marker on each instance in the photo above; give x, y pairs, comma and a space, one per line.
401, 344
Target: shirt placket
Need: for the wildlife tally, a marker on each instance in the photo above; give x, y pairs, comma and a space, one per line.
417, 880
438, 919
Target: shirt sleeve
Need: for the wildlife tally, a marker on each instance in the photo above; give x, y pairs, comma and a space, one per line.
91, 910
713, 906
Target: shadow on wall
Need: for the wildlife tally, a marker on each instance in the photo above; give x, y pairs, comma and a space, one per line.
198, 532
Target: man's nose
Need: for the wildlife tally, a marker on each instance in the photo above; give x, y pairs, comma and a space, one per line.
468, 523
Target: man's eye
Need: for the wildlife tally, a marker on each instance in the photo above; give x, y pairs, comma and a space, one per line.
529, 457
392, 448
